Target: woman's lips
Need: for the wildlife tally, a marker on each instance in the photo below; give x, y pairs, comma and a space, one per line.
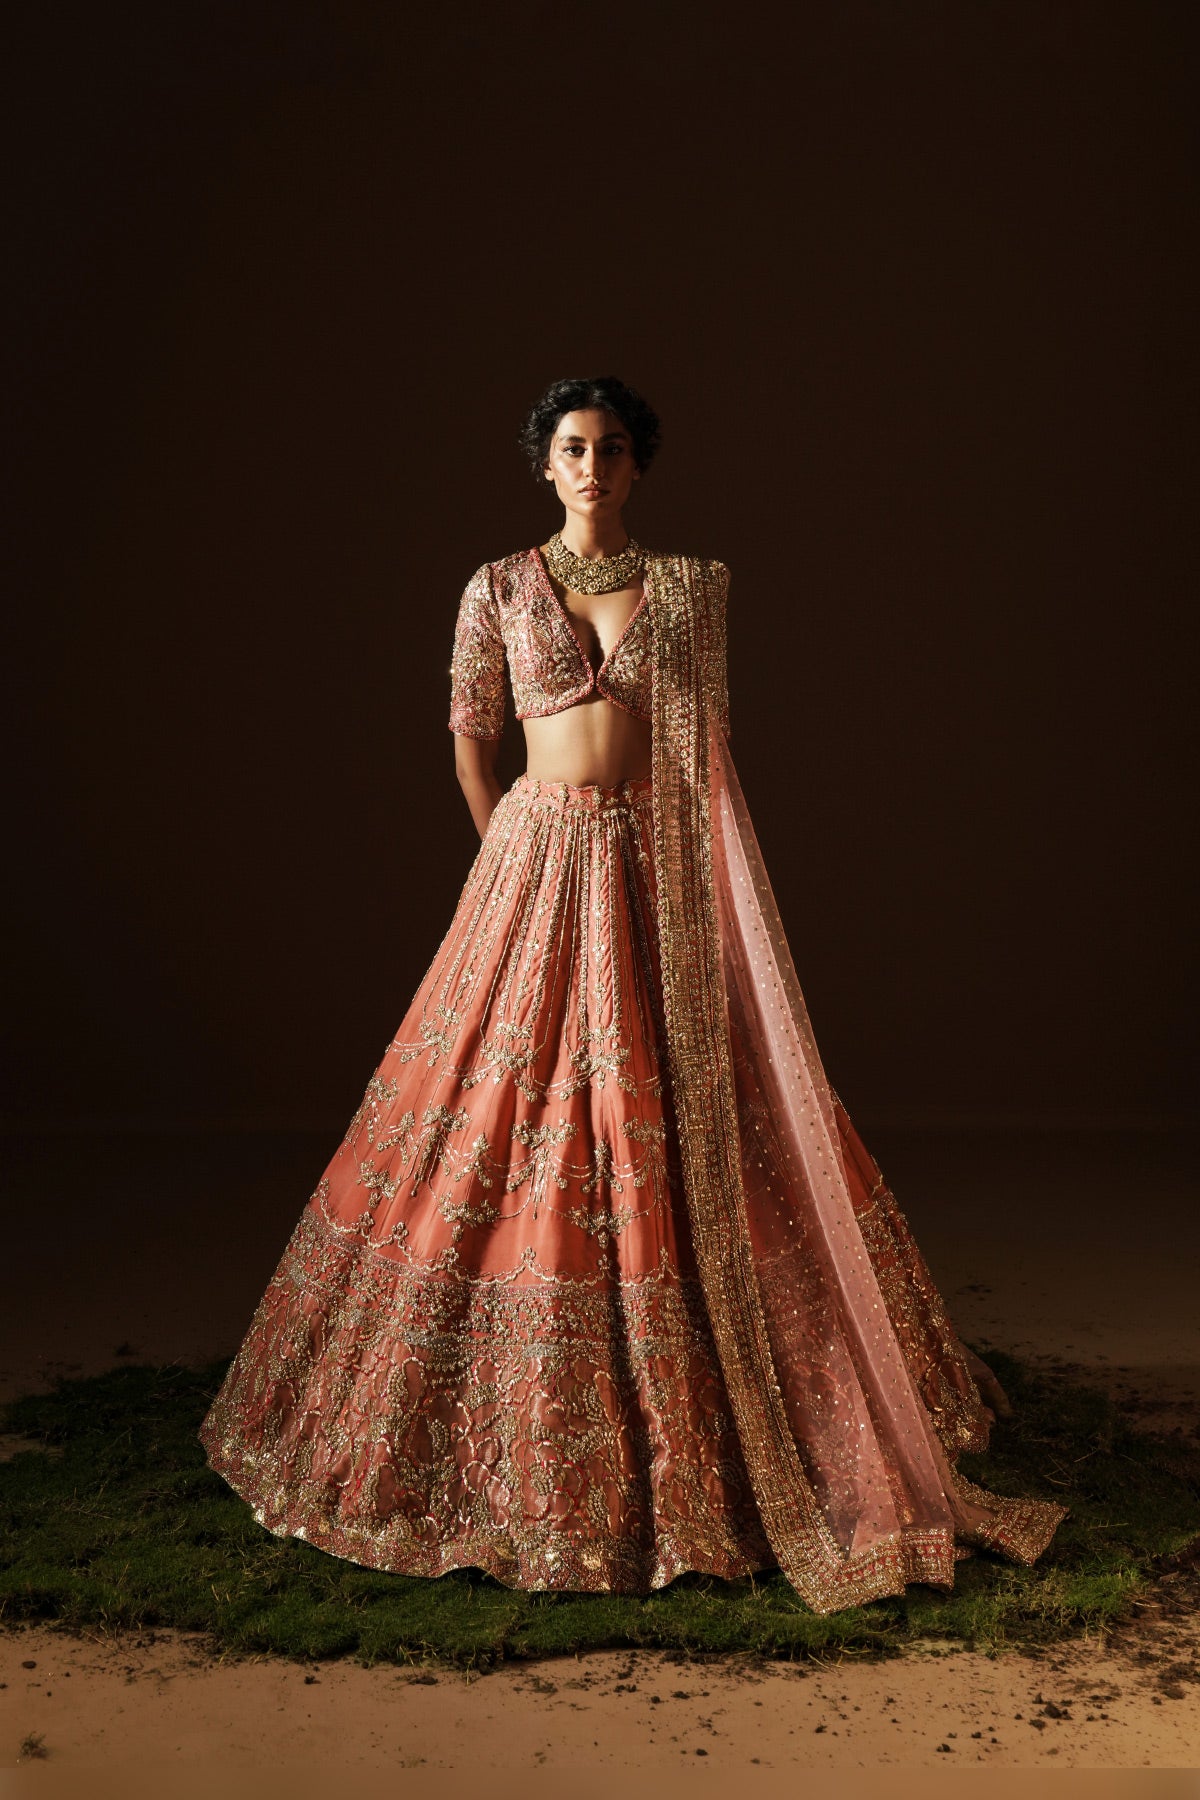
592, 493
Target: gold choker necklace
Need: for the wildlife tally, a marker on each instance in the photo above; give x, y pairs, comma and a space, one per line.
602, 576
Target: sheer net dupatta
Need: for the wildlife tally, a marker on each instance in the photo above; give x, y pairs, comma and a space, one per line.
877, 1392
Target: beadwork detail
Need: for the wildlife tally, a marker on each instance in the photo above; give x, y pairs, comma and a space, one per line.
485, 1344
601, 1284
850, 1468
509, 614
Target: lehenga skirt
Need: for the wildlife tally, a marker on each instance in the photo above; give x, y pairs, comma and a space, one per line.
486, 1344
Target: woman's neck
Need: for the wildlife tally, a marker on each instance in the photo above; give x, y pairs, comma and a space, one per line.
594, 537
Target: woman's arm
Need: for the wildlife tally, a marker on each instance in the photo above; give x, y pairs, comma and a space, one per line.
477, 695
475, 766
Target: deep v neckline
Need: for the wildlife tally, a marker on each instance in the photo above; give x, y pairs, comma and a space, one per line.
548, 587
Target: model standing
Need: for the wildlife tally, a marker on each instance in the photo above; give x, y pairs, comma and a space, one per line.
601, 1285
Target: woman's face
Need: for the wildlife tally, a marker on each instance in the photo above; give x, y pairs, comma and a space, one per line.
591, 464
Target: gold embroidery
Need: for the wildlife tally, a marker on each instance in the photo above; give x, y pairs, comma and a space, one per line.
477, 662
427, 1384
436, 1124
570, 1434
510, 616
538, 1168
688, 597
378, 1099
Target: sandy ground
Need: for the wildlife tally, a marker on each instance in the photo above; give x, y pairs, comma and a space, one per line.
1077, 1251
162, 1699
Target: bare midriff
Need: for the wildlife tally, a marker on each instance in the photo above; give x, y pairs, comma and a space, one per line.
590, 742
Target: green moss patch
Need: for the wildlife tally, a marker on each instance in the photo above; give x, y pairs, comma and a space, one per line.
126, 1526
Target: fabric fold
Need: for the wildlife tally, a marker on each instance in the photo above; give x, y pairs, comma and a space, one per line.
819, 1326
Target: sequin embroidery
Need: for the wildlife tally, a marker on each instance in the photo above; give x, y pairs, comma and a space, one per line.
510, 614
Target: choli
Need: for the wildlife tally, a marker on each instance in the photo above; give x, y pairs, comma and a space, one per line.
509, 608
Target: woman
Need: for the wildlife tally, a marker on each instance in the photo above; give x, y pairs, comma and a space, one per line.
601, 1284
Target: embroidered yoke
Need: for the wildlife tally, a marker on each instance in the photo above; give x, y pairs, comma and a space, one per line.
510, 609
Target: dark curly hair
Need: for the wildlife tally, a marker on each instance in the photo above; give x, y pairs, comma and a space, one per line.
605, 391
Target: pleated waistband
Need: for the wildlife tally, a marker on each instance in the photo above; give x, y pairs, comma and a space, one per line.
592, 797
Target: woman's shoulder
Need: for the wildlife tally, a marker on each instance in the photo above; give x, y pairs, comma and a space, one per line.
501, 577
709, 576
515, 561
706, 565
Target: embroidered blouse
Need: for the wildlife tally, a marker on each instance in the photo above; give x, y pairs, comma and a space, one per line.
509, 609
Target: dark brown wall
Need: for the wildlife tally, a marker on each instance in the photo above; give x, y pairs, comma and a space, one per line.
910, 286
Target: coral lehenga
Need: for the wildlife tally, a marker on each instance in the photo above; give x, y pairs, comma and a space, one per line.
601, 1284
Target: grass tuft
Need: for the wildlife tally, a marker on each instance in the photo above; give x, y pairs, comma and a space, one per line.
127, 1526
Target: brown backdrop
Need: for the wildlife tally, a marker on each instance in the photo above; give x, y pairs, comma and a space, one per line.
909, 286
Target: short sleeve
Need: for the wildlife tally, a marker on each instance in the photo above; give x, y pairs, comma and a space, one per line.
477, 698
718, 672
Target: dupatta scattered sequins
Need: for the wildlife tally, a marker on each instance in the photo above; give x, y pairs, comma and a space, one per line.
852, 1465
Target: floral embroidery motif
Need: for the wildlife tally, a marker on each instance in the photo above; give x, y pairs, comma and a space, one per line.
509, 611
556, 1341
485, 1344
558, 1434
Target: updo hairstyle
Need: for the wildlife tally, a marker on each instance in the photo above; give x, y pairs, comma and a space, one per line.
575, 395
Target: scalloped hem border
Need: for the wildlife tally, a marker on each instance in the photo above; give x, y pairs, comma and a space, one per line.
558, 1567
